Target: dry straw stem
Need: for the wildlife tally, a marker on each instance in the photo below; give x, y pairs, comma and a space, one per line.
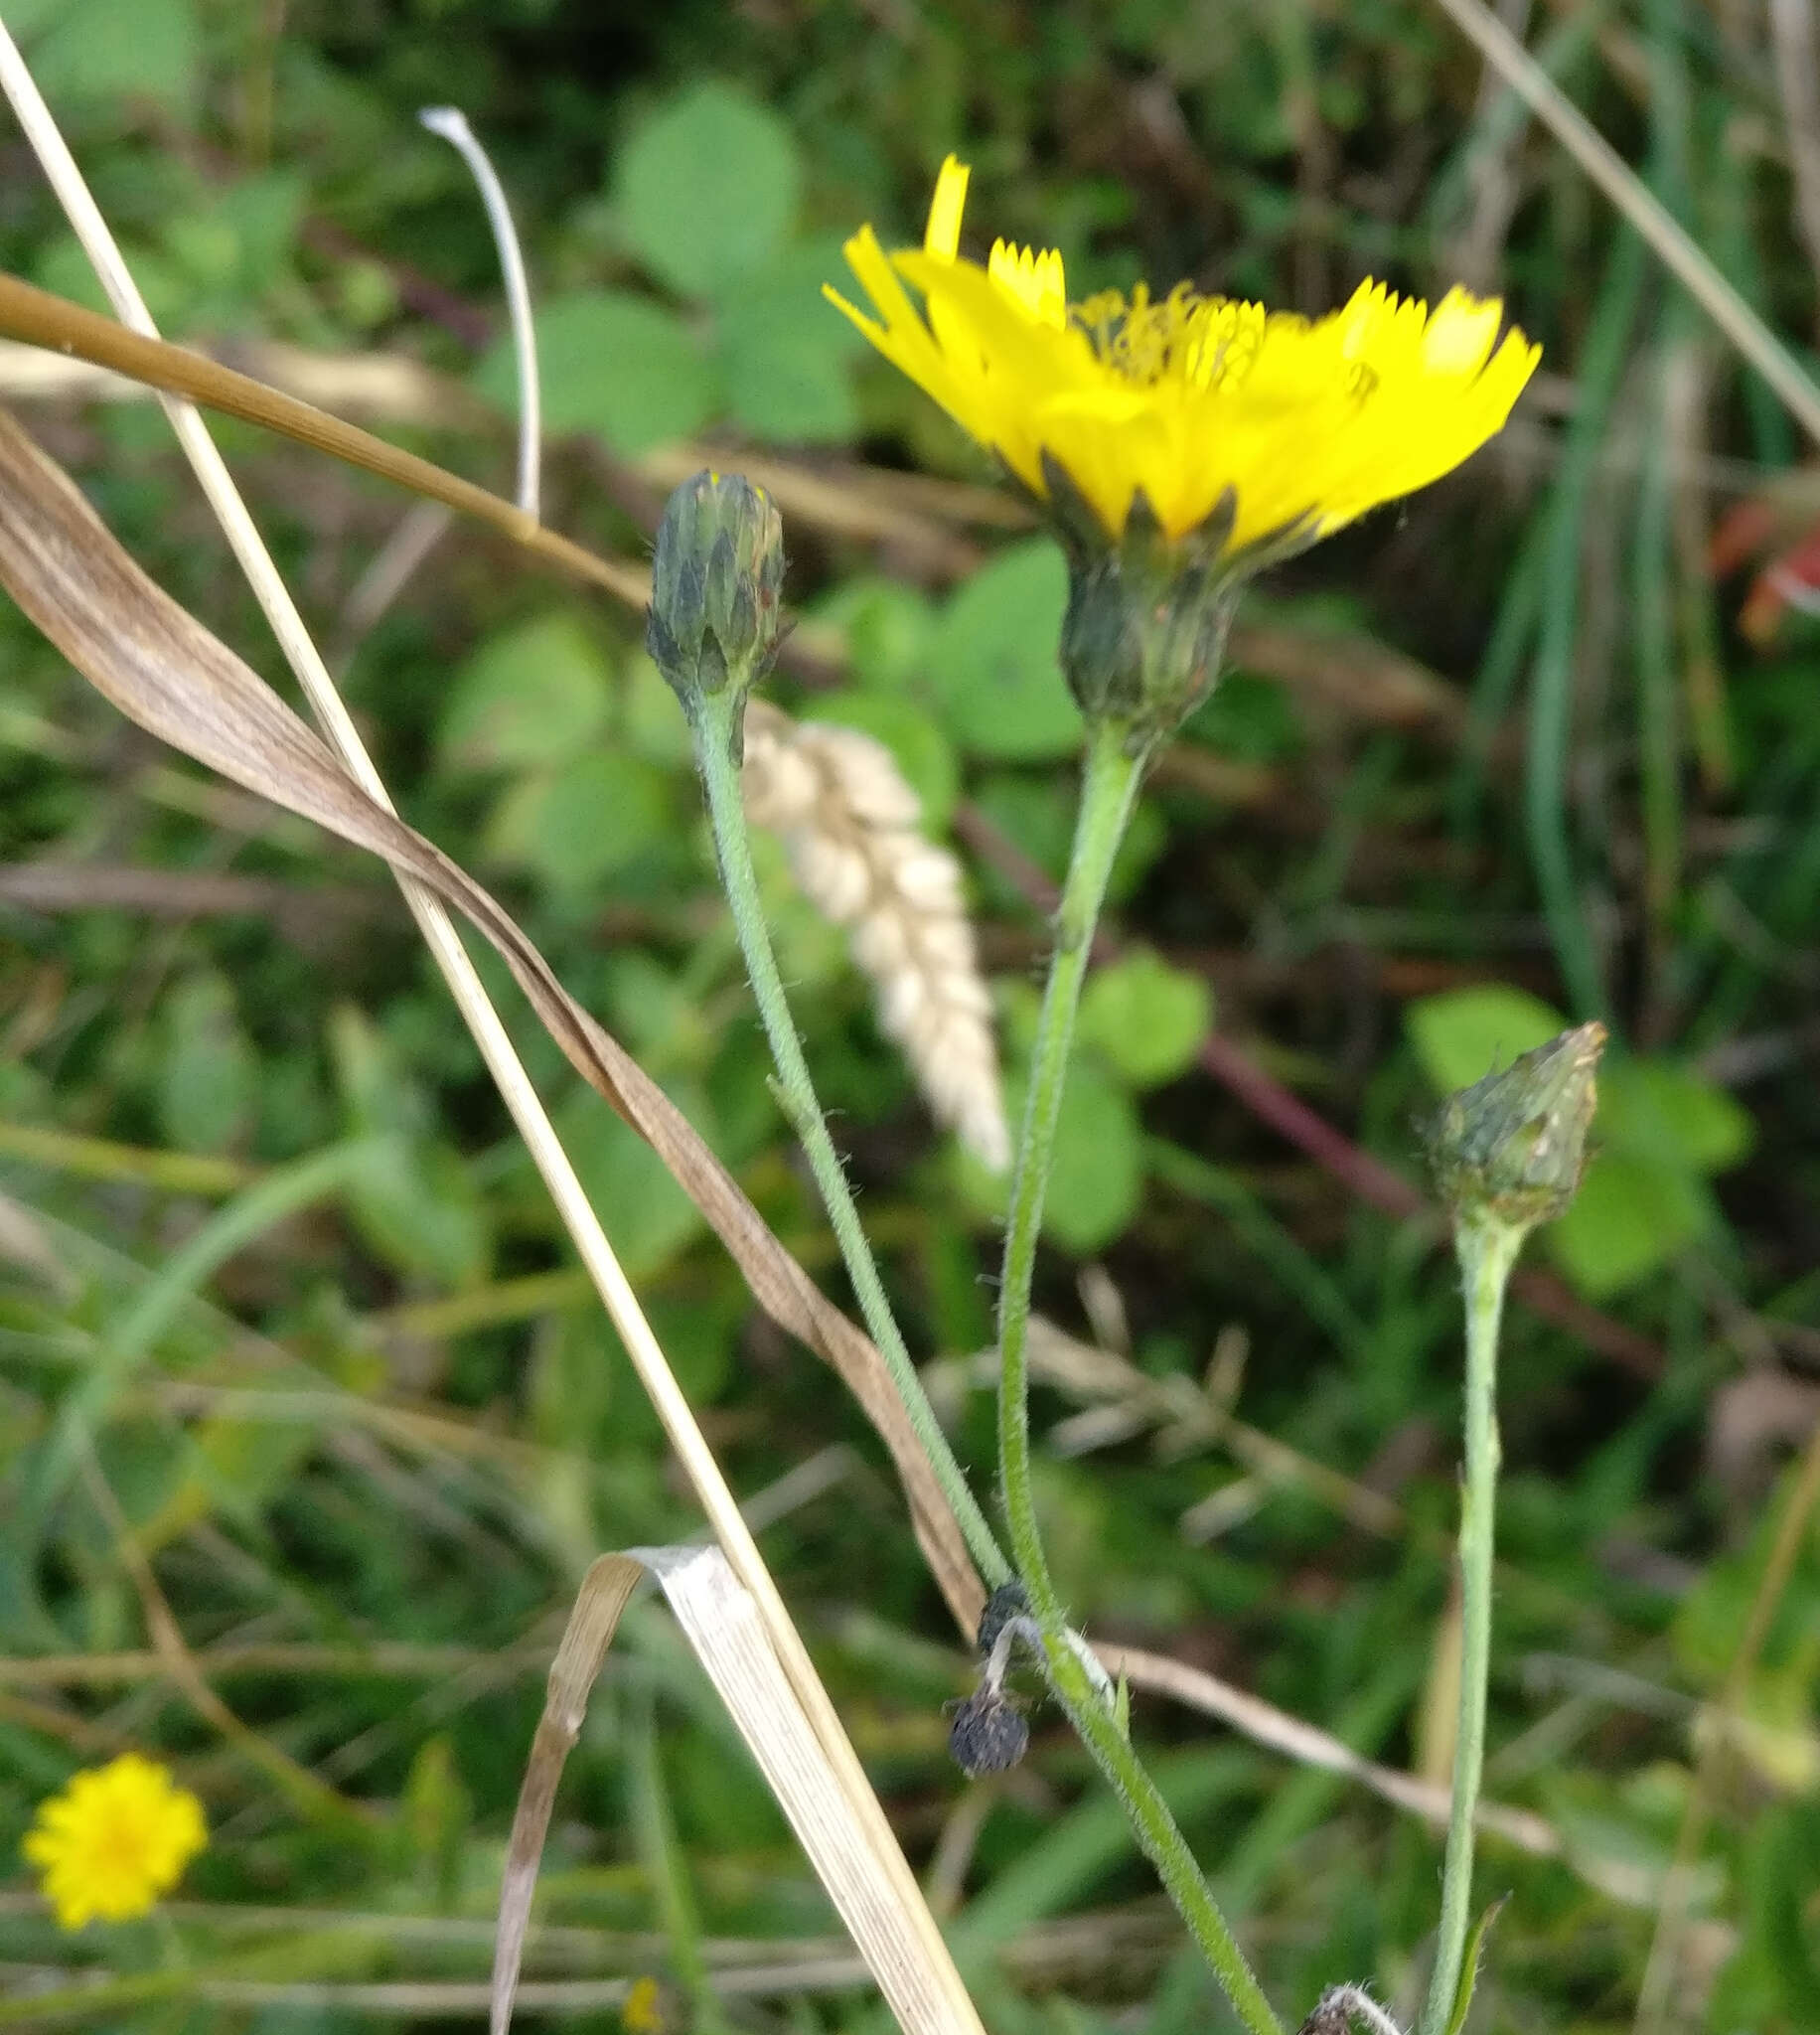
111, 619
848, 822
1797, 75
1674, 246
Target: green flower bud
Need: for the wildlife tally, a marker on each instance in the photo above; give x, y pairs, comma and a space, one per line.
716, 586
1146, 620
1513, 1146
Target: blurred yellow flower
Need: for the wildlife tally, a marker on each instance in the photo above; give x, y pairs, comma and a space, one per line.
114, 1841
643, 2012
1204, 405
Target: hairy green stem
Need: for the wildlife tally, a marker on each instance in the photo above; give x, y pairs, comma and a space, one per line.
1109, 791
1158, 1834
714, 722
1487, 1247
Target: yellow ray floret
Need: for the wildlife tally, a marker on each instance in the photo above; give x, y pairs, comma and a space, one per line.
114, 1841
1307, 424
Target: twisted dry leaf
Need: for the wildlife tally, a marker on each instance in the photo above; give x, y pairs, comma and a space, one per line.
162, 668
722, 1624
848, 822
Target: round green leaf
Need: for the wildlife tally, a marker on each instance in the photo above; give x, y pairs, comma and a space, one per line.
992, 663
784, 358
1627, 1221
582, 821
1145, 1018
614, 364
1464, 1035
708, 189
1666, 1112
888, 628
534, 693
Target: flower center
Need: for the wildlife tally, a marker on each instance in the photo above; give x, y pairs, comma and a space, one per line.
1206, 342
120, 1846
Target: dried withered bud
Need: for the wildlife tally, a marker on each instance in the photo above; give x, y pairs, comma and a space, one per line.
1342, 2008
1009, 1601
989, 1734
1512, 1146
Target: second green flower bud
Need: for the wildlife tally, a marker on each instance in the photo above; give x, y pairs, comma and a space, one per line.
716, 587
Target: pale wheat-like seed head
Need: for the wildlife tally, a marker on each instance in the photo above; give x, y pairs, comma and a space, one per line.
849, 825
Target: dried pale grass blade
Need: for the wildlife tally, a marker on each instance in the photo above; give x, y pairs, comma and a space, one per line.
848, 822
163, 670
605, 1590
842, 1837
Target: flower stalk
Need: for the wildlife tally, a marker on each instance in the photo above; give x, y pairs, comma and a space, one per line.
1509, 1154
1113, 772
1487, 1248
715, 728
711, 630
1109, 791
1158, 1834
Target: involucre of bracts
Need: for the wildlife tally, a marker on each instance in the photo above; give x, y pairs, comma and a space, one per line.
849, 825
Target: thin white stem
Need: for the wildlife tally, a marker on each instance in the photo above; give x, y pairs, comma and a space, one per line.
490, 1035
452, 124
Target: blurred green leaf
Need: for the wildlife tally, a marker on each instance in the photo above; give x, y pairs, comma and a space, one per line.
412, 1198
991, 665
646, 1216
1628, 1220
1654, 1107
1145, 1018
1036, 813
784, 354
576, 825
1097, 1176
88, 50
533, 693
1772, 1981
208, 1072
614, 364
888, 628
1254, 721
708, 189
1464, 1035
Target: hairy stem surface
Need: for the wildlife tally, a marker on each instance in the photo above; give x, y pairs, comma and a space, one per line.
715, 724
1487, 1247
1109, 791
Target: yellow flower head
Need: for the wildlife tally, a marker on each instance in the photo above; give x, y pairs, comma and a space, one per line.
1206, 404
114, 1841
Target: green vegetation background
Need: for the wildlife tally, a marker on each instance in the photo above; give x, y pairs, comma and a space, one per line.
1493, 756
